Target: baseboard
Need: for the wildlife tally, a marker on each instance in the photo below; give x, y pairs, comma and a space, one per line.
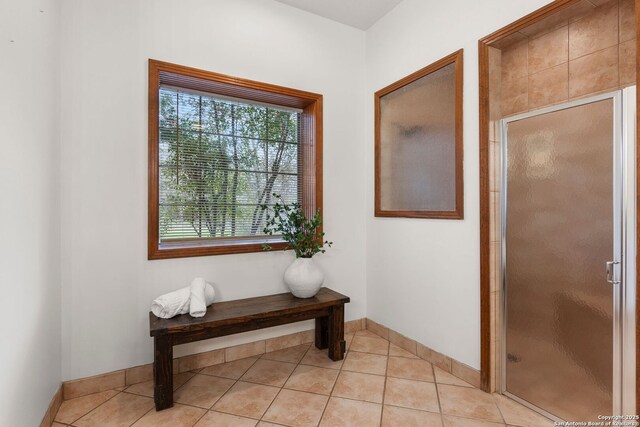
126, 377
138, 374
52, 410
446, 363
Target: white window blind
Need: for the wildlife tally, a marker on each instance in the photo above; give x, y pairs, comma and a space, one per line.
220, 159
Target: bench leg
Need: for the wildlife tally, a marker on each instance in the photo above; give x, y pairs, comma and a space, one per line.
336, 333
163, 372
322, 332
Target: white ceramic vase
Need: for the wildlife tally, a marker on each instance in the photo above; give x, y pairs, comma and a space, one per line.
303, 277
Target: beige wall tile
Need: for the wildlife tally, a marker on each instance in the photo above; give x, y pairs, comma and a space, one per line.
438, 359
403, 342
466, 373
497, 298
378, 329
396, 351
494, 166
139, 374
627, 58
493, 276
308, 336
559, 19
285, 341
548, 50
593, 73
201, 360
510, 40
494, 216
627, 20
493, 306
495, 83
244, 350
84, 386
369, 345
549, 86
354, 325
232, 370
52, 410
594, 32
514, 62
289, 354
514, 95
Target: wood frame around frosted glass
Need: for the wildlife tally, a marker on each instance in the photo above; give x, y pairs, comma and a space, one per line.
220, 84
458, 213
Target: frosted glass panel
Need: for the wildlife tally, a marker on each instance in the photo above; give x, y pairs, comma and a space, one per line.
417, 145
559, 333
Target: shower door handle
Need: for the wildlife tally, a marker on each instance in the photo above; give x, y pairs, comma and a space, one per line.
610, 265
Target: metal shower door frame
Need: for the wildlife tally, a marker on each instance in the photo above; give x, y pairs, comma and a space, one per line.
623, 192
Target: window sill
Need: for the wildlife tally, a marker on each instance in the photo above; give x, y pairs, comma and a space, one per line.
226, 247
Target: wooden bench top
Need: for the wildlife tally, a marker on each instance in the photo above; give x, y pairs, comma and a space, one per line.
233, 312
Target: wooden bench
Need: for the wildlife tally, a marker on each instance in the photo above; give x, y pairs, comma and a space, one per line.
232, 317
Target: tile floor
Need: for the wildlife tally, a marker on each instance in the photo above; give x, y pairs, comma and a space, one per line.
378, 384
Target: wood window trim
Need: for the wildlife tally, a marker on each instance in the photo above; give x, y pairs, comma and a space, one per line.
220, 84
486, 368
454, 58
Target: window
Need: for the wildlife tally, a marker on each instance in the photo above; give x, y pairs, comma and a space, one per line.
219, 147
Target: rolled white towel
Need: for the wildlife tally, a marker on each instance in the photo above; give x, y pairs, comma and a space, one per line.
198, 303
177, 302
169, 305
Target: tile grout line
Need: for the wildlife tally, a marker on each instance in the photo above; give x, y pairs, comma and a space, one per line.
384, 388
435, 382
82, 416
346, 353
235, 381
493, 399
282, 387
299, 363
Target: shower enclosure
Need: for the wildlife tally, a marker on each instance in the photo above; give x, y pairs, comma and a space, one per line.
568, 257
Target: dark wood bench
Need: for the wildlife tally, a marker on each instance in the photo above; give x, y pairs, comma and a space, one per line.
232, 317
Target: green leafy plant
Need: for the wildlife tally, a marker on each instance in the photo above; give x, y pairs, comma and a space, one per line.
303, 235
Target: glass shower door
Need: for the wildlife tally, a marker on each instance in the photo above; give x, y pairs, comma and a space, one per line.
561, 226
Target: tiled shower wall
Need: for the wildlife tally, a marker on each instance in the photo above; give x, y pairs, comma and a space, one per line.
589, 54
586, 49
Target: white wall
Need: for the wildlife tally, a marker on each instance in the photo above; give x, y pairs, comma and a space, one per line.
30, 353
423, 275
108, 283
